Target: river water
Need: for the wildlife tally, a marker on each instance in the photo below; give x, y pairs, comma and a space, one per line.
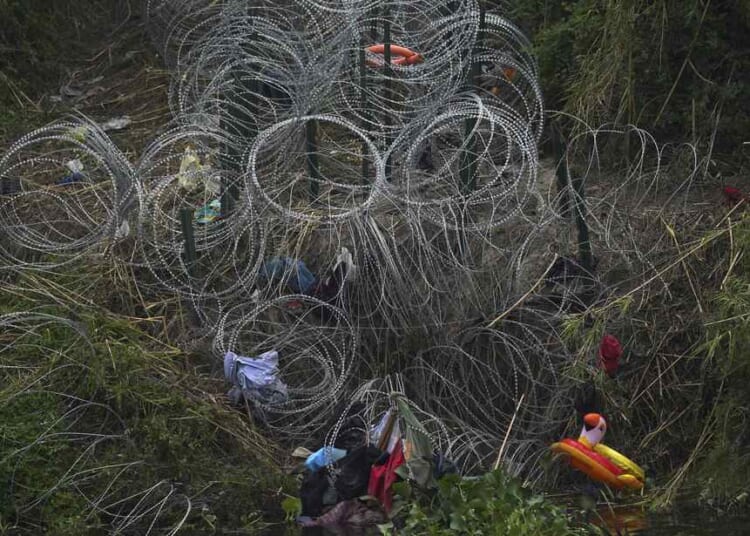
618, 521
634, 521
627, 521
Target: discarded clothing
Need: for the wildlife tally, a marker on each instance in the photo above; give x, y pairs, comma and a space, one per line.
354, 472
382, 478
312, 492
352, 513
417, 448
257, 378
320, 490
394, 434
324, 457
352, 432
209, 213
345, 262
329, 289
294, 272
610, 352
565, 271
494, 76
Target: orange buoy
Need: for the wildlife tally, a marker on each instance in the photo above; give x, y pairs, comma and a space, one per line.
509, 73
403, 55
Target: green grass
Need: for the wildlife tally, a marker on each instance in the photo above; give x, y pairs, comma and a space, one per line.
105, 426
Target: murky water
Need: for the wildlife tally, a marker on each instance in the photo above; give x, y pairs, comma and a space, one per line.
634, 521
618, 521
625, 522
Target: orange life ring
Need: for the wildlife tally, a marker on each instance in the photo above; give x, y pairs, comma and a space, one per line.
509, 73
403, 55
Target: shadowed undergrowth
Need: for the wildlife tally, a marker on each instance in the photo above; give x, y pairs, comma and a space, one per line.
103, 427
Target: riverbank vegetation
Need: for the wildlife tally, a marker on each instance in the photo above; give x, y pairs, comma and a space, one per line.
112, 416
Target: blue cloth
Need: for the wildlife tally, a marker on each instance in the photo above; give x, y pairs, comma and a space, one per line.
325, 456
297, 276
70, 179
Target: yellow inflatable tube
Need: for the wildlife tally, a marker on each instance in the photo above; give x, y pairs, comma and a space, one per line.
599, 466
621, 461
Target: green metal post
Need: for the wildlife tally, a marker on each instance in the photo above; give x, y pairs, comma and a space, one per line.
186, 219
563, 180
241, 125
311, 142
468, 161
388, 88
579, 198
584, 243
363, 104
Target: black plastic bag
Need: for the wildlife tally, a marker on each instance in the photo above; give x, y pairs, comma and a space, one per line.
351, 481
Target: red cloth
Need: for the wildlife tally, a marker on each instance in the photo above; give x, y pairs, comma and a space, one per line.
383, 476
610, 352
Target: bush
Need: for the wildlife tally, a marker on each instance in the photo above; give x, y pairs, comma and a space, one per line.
102, 429
491, 505
677, 68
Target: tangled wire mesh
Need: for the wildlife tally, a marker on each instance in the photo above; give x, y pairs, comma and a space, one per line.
293, 138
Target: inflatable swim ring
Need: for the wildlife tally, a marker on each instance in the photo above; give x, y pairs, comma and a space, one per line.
598, 461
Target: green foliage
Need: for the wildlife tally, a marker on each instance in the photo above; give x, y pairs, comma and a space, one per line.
292, 507
491, 505
723, 468
677, 68
112, 418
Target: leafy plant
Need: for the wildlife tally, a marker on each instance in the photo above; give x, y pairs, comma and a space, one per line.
491, 505
292, 507
672, 67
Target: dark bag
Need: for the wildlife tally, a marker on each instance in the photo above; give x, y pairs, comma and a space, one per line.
354, 475
312, 490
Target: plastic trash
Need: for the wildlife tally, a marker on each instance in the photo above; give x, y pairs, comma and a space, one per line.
123, 231
190, 169
301, 452
379, 429
344, 258
9, 186
208, 213
212, 183
76, 173
323, 458
294, 272
116, 123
